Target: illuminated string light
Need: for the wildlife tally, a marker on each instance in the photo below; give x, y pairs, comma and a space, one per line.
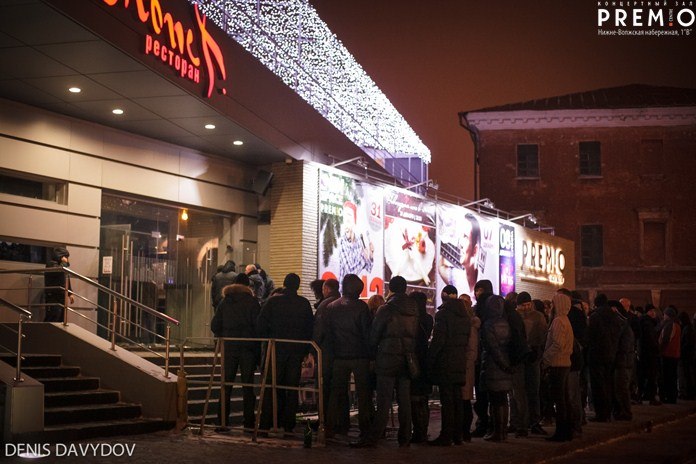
290, 39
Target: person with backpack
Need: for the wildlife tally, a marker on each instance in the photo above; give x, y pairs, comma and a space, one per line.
496, 369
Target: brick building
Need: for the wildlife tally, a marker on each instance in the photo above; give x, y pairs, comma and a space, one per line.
611, 169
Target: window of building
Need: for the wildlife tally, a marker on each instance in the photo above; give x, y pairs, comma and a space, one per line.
654, 237
528, 160
591, 245
22, 252
25, 185
590, 159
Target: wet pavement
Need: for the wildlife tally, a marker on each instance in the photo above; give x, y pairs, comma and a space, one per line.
188, 447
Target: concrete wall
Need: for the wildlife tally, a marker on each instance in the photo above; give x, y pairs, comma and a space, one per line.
91, 159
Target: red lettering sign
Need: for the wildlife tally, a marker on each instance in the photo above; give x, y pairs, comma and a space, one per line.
172, 43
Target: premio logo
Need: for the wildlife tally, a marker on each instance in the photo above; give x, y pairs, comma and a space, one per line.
645, 18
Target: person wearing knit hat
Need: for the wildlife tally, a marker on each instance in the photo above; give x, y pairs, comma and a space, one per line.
287, 316
449, 291
523, 297
526, 410
393, 338
56, 284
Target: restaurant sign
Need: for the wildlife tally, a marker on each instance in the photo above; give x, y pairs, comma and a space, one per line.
184, 49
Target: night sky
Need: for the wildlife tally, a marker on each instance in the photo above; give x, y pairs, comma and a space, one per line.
435, 58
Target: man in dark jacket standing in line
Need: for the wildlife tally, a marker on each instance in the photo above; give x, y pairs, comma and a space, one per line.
496, 371
347, 324
393, 335
603, 332
286, 316
421, 387
236, 317
447, 364
623, 367
329, 290
649, 355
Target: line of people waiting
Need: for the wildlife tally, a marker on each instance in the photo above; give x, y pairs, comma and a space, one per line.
520, 361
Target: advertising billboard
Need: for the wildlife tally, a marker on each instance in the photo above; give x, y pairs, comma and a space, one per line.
409, 240
351, 230
468, 249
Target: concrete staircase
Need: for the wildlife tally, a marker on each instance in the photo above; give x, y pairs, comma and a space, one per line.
76, 407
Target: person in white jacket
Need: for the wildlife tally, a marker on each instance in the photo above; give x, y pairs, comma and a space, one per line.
559, 347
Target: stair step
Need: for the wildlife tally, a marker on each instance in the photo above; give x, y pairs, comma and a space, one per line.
69, 383
45, 372
86, 430
32, 360
80, 397
91, 413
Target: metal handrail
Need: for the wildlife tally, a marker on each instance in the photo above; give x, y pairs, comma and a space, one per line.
115, 320
101, 287
19, 310
23, 314
269, 364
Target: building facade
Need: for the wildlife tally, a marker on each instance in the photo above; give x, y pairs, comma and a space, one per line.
610, 169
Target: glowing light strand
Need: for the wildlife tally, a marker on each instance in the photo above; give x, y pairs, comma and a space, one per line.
290, 39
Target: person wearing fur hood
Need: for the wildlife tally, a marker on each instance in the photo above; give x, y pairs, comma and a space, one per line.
559, 347
236, 317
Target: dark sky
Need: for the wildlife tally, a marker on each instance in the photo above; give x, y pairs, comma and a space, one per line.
434, 58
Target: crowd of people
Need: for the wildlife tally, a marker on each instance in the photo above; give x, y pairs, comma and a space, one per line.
518, 363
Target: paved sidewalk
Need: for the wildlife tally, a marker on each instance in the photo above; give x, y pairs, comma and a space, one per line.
189, 448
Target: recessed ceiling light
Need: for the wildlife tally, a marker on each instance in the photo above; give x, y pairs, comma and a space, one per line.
210, 126
117, 111
238, 142
74, 90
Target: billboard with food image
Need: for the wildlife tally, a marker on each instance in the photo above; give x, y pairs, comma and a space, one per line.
467, 249
409, 240
350, 230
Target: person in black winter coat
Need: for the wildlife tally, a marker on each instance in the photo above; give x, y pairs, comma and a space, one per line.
686, 359
496, 371
236, 317
286, 316
421, 387
623, 367
603, 333
446, 364
649, 355
347, 324
393, 337
56, 284
329, 294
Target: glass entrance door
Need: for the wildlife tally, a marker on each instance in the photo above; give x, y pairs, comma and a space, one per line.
163, 259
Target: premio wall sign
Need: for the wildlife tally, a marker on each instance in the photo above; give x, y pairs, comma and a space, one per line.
172, 42
542, 260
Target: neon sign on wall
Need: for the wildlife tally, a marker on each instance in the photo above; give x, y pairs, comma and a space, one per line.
176, 45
